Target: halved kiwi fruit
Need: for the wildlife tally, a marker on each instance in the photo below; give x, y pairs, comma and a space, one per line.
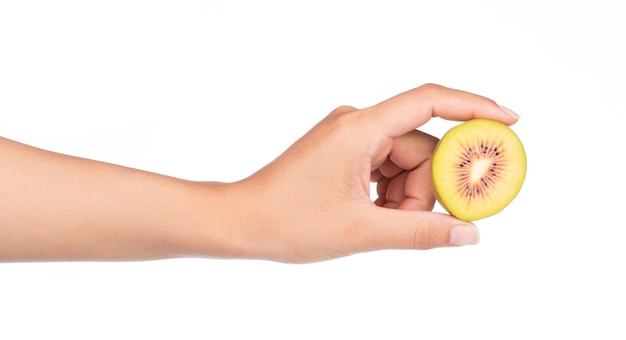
478, 168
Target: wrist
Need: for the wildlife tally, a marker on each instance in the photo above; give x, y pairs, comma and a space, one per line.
215, 220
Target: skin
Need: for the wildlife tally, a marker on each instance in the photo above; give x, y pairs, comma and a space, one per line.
310, 204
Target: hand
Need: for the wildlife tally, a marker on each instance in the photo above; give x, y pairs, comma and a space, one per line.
313, 202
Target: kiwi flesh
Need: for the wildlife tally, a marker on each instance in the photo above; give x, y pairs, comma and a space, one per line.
478, 168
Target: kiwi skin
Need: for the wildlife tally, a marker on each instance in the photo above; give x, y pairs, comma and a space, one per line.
478, 168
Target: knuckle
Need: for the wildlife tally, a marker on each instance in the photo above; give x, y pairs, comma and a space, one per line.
423, 238
430, 88
345, 121
342, 110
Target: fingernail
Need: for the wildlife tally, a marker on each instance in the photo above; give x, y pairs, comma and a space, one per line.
464, 235
509, 112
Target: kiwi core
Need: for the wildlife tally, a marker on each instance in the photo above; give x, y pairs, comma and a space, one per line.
479, 170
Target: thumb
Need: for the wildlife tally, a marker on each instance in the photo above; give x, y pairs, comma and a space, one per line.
404, 229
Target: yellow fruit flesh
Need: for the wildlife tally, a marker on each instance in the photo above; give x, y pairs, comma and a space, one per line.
478, 168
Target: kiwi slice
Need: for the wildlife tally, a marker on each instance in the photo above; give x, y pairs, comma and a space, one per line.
478, 168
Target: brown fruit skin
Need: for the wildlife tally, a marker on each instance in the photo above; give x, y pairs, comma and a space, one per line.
469, 128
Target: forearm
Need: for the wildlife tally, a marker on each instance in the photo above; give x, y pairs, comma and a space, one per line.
58, 207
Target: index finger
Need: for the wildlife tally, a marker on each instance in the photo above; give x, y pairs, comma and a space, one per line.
412, 109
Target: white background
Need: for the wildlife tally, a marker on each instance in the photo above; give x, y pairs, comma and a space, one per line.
213, 90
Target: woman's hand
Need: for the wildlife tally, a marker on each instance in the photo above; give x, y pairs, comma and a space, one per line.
313, 202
